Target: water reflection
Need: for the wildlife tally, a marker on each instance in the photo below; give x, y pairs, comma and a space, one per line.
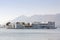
14, 34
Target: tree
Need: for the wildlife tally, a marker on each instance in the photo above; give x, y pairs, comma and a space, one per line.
8, 23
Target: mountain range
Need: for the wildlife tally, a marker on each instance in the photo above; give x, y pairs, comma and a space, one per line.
39, 18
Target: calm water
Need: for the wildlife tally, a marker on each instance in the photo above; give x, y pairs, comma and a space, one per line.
25, 34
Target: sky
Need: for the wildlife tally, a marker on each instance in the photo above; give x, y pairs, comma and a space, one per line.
9, 9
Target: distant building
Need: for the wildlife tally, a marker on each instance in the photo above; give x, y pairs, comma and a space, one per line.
38, 25
35, 25
28, 26
10, 25
19, 25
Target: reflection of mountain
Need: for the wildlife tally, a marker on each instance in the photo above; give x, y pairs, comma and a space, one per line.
39, 18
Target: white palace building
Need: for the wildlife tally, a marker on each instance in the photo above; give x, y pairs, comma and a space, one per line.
35, 25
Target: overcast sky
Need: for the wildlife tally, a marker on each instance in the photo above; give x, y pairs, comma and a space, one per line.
9, 9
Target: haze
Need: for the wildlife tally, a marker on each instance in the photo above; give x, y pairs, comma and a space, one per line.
9, 9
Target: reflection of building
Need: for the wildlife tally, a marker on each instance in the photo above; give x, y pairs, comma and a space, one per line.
49, 25
35, 25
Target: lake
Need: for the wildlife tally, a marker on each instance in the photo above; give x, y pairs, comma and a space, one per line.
29, 34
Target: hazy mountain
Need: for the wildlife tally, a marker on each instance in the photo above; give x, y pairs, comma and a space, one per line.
57, 19
21, 19
39, 18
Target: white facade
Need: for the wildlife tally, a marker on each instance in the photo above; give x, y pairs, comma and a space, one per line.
19, 26
35, 25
